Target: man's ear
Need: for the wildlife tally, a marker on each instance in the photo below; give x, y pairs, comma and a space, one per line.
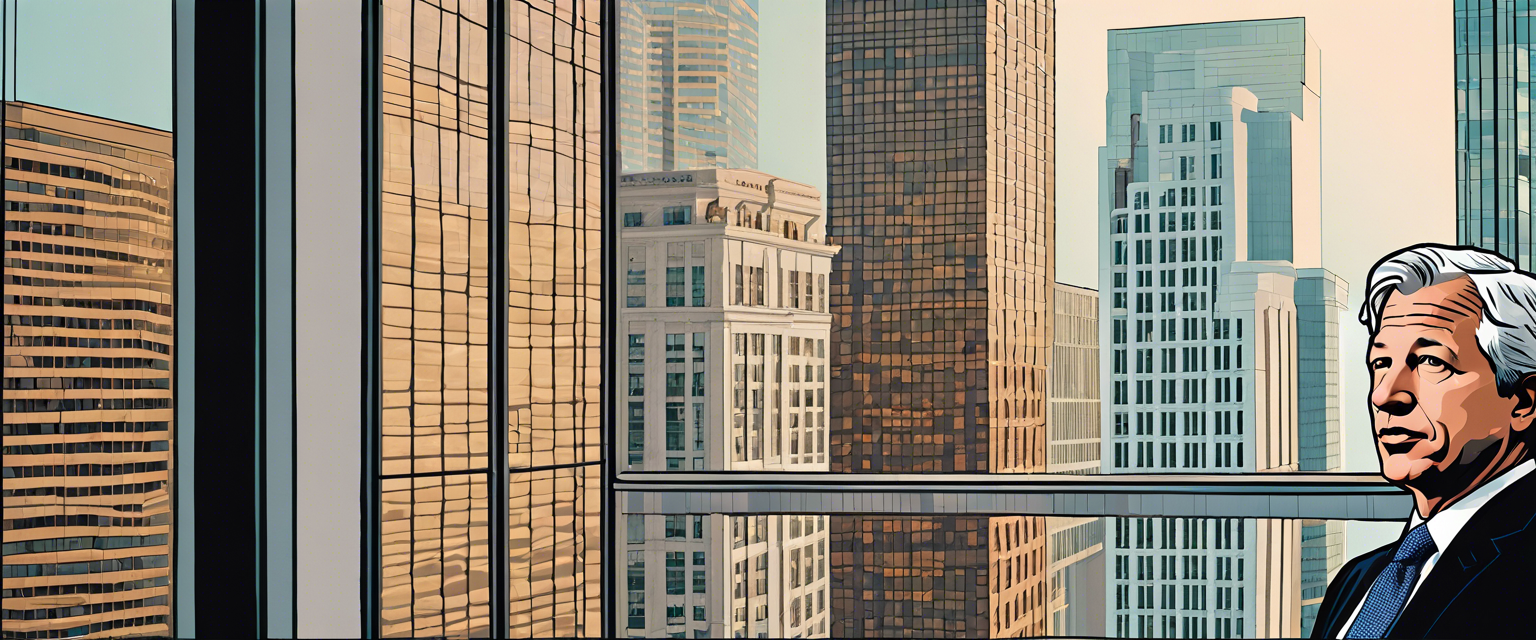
1525, 403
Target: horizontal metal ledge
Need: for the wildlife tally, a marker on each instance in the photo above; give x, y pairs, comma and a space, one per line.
1287, 495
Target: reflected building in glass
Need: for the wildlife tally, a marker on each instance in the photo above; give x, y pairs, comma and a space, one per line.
435, 286
1493, 126
940, 161
688, 85
1219, 311
88, 431
726, 332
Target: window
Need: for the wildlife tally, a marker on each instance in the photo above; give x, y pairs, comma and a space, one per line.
677, 215
636, 433
1215, 166
635, 283
675, 286
635, 528
698, 286
674, 425
675, 347
1215, 131
632, 219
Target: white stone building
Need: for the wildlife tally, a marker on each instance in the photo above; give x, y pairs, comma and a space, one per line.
726, 327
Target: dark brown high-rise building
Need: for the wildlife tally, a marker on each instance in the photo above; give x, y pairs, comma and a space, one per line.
88, 417
940, 162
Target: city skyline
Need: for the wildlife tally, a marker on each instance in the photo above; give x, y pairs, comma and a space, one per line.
531, 423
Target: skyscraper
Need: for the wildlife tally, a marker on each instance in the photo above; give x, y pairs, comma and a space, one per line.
89, 258
436, 279
1211, 246
688, 84
1493, 122
940, 152
726, 333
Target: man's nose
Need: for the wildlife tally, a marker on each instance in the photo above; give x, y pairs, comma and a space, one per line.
1394, 392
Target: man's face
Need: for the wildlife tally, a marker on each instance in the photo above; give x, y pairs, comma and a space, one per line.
1439, 410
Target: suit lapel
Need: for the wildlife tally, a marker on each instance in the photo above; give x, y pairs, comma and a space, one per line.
1476, 549
1354, 588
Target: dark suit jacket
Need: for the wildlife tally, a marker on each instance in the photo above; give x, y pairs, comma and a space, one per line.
1482, 586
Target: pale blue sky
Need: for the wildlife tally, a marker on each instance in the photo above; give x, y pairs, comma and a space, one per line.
792, 89
107, 58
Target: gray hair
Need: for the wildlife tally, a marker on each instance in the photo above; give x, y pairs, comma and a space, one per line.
1506, 334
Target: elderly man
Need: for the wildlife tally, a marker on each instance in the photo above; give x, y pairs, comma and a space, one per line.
1453, 386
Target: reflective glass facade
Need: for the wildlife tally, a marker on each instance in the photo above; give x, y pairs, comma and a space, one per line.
940, 161
1218, 317
554, 287
434, 292
436, 277
1493, 126
89, 429
688, 84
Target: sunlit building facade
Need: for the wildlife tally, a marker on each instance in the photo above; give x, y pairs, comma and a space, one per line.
88, 431
435, 291
940, 163
726, 333
1073, 445
1075, 605
1210, 231
688, 84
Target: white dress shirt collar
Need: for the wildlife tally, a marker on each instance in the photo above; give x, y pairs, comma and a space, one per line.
1444, 526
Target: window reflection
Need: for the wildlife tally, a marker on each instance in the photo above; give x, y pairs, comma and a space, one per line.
434, 248
962, 577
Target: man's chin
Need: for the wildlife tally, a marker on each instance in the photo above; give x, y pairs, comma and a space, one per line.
1402, 468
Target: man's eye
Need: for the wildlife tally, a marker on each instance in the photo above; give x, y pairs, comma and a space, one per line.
1381, 363
1432, 363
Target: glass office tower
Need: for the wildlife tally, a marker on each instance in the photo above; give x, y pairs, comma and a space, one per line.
940, 152
1210, 246
89, 423
688, 83
435, 289
1493, 126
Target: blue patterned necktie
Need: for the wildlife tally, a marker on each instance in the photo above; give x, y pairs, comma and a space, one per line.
1390, 590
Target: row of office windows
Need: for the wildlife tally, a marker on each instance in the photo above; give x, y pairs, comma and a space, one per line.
1188, 132
1168, 423
1178, 626
1193, 329
1166, 455
669, 216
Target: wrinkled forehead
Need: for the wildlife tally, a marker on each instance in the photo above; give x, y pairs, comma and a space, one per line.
1450, 307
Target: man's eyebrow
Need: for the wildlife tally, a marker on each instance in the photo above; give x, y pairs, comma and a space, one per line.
1430, 342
